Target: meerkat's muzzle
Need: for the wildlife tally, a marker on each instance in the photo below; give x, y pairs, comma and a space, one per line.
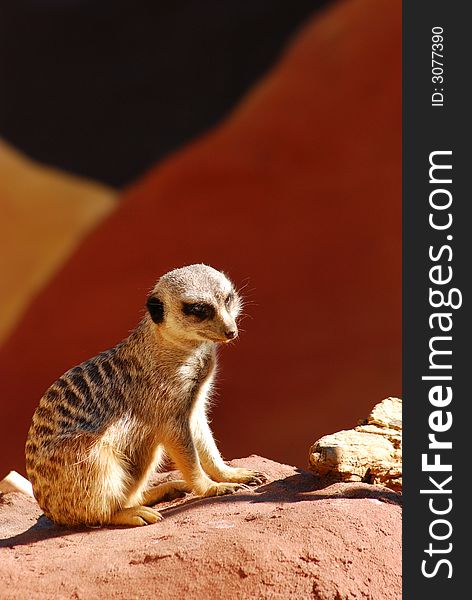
224, 336
231, 333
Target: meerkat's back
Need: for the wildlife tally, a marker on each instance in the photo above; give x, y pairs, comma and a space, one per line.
73, 440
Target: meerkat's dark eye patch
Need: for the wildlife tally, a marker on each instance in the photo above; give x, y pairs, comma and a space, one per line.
201, 310
229, 298
156, 309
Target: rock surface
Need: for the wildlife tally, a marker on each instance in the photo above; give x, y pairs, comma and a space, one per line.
288, 538
371, 452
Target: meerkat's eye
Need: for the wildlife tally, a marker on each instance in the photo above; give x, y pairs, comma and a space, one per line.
200, 310
229, 298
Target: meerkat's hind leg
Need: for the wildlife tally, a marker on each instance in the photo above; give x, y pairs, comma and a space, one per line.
136, 516
166, 491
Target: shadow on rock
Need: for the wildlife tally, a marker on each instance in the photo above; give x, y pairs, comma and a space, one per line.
43, 529
301, 487
305, 486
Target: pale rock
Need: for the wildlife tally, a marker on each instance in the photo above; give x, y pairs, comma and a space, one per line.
371, 452
14, 482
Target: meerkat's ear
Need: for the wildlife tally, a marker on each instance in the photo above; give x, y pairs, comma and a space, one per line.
155, 308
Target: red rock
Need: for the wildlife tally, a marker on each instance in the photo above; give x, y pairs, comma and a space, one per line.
290, 538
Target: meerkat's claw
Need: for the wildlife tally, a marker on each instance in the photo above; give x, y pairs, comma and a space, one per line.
136, 516
258, 478
244, 486
255, 482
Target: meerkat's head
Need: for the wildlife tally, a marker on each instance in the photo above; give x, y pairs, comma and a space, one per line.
195, 303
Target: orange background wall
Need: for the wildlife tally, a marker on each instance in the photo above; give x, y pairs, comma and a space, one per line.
297, 196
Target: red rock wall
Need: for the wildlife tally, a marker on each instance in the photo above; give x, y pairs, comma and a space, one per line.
297, 196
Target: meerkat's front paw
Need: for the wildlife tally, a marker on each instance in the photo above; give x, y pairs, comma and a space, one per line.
220, 489
240, 475
136, 516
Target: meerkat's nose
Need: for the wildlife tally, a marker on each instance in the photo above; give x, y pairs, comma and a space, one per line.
231, 334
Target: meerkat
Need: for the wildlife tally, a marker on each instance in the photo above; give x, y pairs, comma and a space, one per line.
101, 429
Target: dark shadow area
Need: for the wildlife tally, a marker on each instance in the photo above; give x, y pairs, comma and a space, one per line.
302, 487
297, 486
43, 529
107, 88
